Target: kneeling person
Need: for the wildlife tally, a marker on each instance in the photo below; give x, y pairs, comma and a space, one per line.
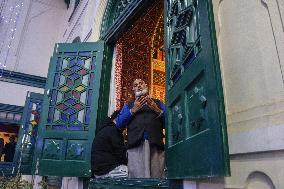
108, 151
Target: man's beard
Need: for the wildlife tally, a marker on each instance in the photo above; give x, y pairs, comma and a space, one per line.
141, 93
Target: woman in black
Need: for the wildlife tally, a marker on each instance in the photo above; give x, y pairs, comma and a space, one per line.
108, 151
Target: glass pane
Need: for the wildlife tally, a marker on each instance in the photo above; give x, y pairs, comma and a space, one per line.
73, 118
53, 97
74, 75
78, 81
32, 117
50, 115
72, 62
93, 63
75, 68
85, 80
81, 116
56, 115
59, 97
65, 63
69, 82
78, 106
64, 117
70, 101
83, 72
80, 62
89, 101
62, 80
88, 117
83, 97
75, 94
70, 111
59, 63
88, 63
3, 114
92, 76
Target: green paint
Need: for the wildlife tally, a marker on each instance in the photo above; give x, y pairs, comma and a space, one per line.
195, 126
25, 147
23, 79
64, 142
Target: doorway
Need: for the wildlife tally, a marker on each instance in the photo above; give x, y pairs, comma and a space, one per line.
140, 54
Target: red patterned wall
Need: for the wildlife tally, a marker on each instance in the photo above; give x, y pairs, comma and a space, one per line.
133, 54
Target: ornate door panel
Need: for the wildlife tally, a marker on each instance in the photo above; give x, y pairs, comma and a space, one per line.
196, 125
28, 133
70, 110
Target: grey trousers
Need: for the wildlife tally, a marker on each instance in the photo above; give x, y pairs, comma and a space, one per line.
145, 162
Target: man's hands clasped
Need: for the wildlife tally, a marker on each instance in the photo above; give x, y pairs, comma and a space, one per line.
141, 101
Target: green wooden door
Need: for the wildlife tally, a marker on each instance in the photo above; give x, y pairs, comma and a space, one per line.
196, 125
28, 133
70, 110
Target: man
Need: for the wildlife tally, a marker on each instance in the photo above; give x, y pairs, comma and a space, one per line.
108, 151
9, 149
144, 119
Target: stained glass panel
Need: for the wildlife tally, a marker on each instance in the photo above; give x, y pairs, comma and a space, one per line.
69, 116
73, 76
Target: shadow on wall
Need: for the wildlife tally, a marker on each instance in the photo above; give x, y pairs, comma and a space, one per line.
259, 180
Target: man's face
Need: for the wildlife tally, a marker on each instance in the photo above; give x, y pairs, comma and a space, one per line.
139, 87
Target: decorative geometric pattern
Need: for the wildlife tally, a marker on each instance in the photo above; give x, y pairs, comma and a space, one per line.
70, 98
183, 31
35, 111
133, 54
158, 65
159, 78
